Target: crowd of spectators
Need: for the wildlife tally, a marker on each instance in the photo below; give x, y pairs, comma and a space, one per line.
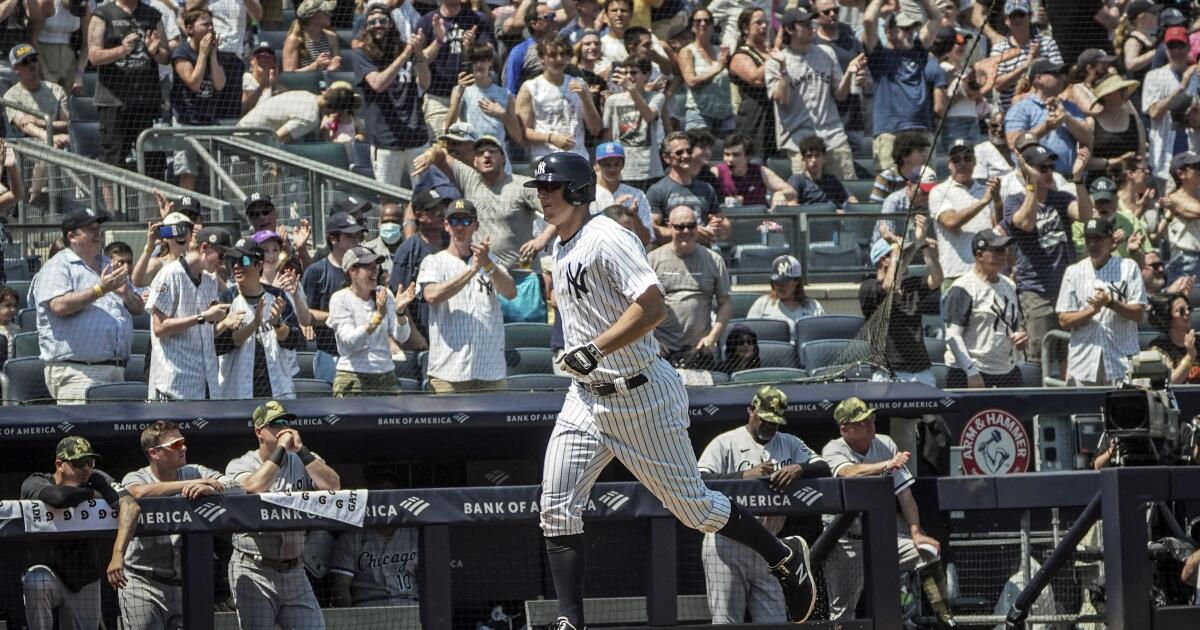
1045, 144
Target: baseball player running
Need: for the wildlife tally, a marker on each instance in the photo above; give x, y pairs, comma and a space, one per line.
150, 576
736, 577
626, 401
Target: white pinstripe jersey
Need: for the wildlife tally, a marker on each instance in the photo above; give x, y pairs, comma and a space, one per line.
184, 364
598, 273
1107, 339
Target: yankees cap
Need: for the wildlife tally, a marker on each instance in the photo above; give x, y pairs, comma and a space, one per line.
81, 217
989, 239
188, 205
461, 206
770, 403
1038, 155
177, 218
1103, 189
270, 411
216, 237
344, 223
74, 447
1098, 226
852, 410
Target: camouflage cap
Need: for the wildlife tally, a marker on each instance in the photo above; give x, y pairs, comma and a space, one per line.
852, 410
74, 447
770, 403
269, 412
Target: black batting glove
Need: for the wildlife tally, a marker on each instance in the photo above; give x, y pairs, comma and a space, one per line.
580, 362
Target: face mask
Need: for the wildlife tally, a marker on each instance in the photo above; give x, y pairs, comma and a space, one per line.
390, 232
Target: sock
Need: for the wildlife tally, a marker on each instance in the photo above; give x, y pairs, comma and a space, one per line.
566, 555
744, 528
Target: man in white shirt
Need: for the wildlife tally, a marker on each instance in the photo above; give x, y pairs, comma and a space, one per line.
961, 207
466, 327
1101, 301
610, 160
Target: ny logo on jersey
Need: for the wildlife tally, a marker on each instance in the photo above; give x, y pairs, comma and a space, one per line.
1119, 291
485, 284
1007, 314
577, 279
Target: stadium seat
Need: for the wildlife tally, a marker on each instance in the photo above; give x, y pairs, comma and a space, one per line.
767, 375
781, 166
936, 349
1031, 374
312, 388
141, 342
1195, 319
864, 207
89, 84
23, 382
307, 81
409, 385
117, 392
773, 354
324, 367
940, 370
531, 381
344, 36
829, 256
340, 75
275, 38
529, 360
85, 138
812, 208
825, 352
742, 302
1144, 338
83, 108
141, 322
758, 257
135, 369
409, 367
27, 319
25, 345
865, 165
527, 335
859, 188
304, 360
330, 153
827, 327
22, 289
765, 329
360, 160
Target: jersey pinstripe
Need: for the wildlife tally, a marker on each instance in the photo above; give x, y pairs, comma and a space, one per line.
598, 273
183, 366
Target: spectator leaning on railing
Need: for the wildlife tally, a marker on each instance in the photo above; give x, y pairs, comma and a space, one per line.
84, 309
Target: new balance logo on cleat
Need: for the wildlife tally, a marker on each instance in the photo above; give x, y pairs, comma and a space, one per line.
614, 500
210, 511
799, 591
808, 496
414, 505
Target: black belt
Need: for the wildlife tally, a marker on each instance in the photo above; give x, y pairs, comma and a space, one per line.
608, 389
110, 362
278, 565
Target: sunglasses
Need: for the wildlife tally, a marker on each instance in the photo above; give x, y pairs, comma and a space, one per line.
460, 221
682, 152
550, 187
829, 11
243, 261
80, 464
1157, 266
258, 214
995, 250
382, 21
178, 444
1183, 311
701, 20
280, 422
369, 265
683, 227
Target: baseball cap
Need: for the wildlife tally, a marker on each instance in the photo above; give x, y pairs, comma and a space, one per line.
902, 20
217, 237
190, 206
1017, 6
309, 8
1172, 17
852, 410
947, 37
879, 250
21, 53
1038, 155
350, 205
381, 5
344, 223
74, 447
927, 180
785, 268
1103, 189
1093, 55
81, 217
358, 256
1045, 66
960, 145
263, 47
247, 246
258, 198
989, 239
262, 236
1137, 7
487, 139
427, 200
792, 16
1175, 34
610, 150
1187, 158
1098, 226
1025, 140
270, 411
459, 132
461, 206
177, 218
770, 403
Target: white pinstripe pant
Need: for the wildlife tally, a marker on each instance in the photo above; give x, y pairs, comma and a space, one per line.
646, 429
736, 578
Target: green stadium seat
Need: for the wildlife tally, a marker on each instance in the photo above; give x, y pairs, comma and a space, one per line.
25, 345
141, 342
859, 188
23, 382
312, 388
767, 375
527, 335
307, 81
781, 166
765, 329
742, 302
866, 208
529, 360
117, 392
827, 327
777, 354
531, 382
330, 153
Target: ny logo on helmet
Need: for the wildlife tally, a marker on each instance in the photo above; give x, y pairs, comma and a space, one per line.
541, 168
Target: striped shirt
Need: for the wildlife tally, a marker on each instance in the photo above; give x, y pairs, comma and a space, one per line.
466, 332
598, 274
101, 331
1108, 339
980, 315
1047, 49
183, 366
160, 555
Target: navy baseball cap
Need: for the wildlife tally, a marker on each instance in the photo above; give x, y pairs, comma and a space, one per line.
344, 223
258, 198
1038, 155
1098, 226
350, 205
1187, 158
989, 239
1103, 189
610, 150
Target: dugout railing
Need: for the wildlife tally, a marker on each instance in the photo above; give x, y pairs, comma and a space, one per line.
435, 511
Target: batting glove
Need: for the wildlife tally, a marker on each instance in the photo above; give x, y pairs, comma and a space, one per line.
580, 361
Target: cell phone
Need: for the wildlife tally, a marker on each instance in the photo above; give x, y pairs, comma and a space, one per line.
171, 231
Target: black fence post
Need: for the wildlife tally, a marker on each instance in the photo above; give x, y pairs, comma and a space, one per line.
881, 564
663, 587
434, 568
198, 581
1128, 575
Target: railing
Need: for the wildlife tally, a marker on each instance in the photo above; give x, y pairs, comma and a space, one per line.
831, 246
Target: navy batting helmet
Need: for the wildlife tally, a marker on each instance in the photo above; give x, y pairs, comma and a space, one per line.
571, 168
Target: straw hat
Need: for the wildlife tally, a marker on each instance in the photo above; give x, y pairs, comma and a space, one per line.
1113, 83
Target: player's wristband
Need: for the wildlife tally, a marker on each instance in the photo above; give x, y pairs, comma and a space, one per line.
306, 456
278, 456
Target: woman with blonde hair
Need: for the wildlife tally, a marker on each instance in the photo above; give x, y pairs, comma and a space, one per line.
311, 46
1119, 133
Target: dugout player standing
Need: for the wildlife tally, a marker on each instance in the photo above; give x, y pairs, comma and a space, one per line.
627, 402
736, 577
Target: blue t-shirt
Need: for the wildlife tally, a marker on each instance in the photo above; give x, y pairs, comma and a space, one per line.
320, 281
1043, 255
481, 122
445, 67
188, 107
904, 84
1029, 113
515, 65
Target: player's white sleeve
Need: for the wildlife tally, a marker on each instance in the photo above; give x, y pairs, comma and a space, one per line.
711, 459
624, 258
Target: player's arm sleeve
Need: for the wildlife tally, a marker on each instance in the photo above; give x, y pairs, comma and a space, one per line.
163, 296
106, 487
40, 488
627, 266
957, 310
834, 458
901, 478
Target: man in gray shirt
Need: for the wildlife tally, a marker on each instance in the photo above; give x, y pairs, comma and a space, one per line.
153, 593
266, 572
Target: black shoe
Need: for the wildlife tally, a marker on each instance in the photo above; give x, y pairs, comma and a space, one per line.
562, 623
795, 577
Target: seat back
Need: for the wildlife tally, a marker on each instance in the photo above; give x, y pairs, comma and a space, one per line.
520, 382
825, 352
25, 382
527, 335
304, 360
27, 319
767, 375
25, 345
827, 327
117, 392
529, 361
777, 354
311, 388
765, 329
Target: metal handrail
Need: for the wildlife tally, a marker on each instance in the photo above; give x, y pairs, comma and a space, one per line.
204, 131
